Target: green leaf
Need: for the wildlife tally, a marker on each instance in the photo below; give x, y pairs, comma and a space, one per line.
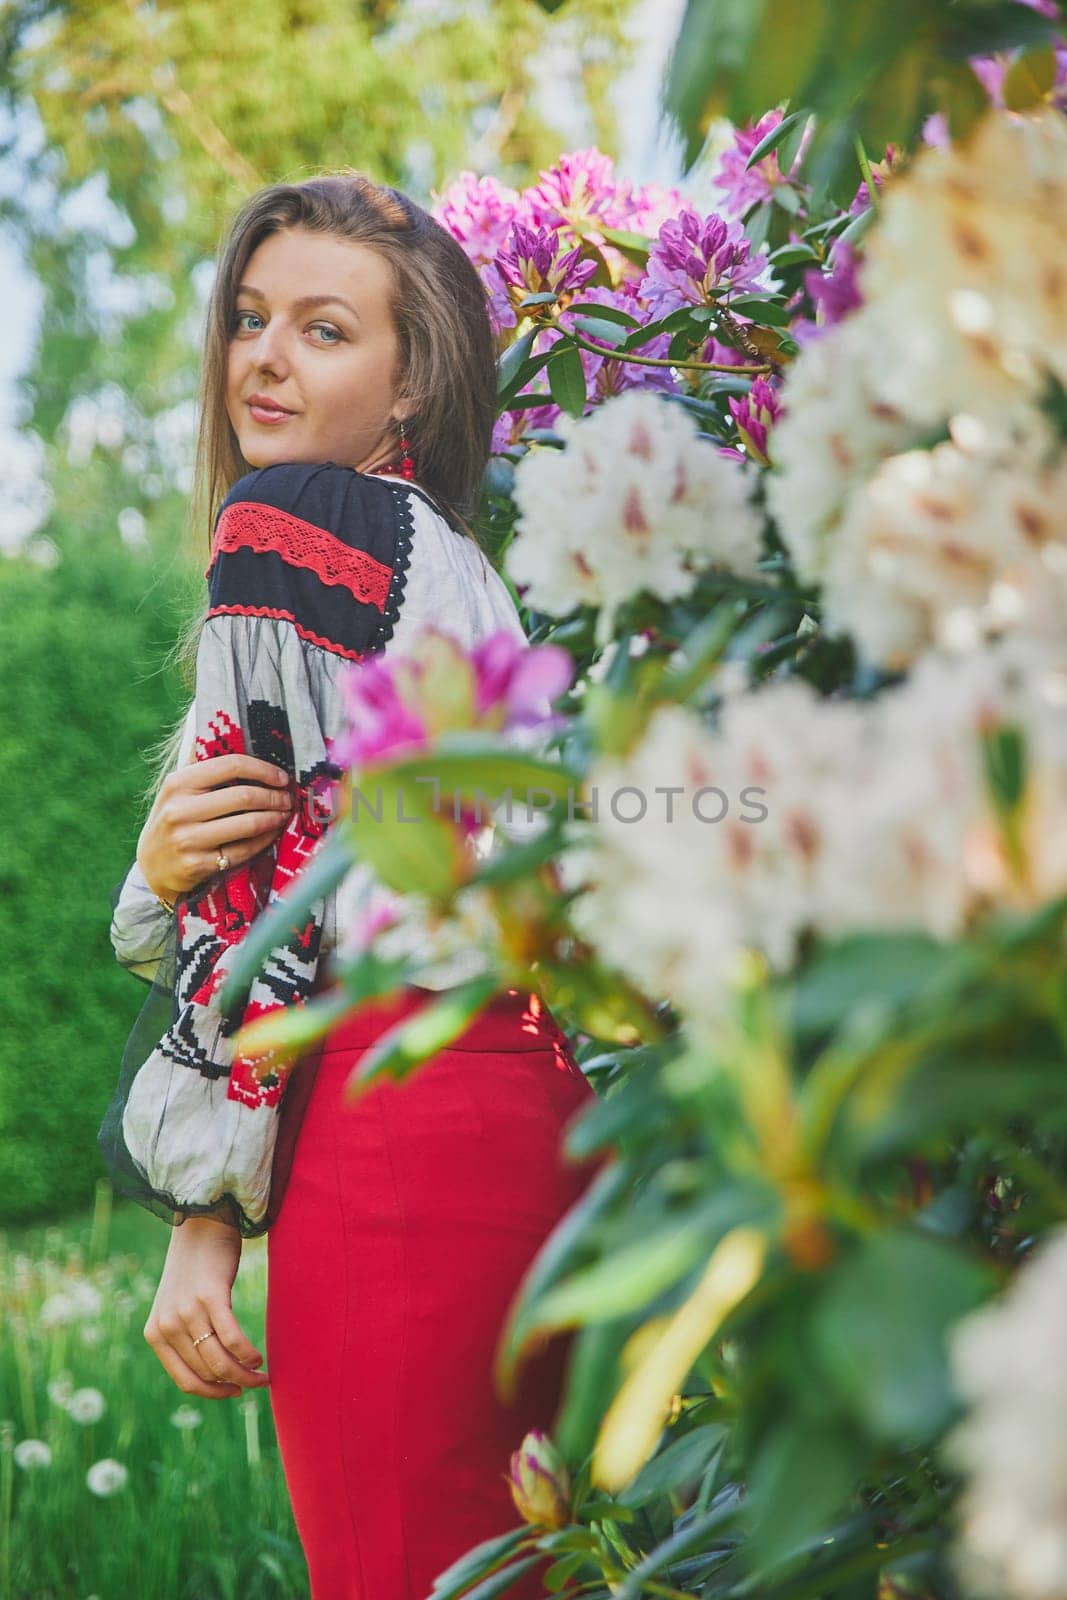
605, 313
500, 1582
892, 110
472, 764
416, 1038
475, 1563
510, 363
566, 378
960, 95
593, 1377
757, 224
1004, 751
690, 1533
332, 860
545, 297
598, 328
953, 1094
409, 847
787, 199
561, 1571
678, 1463
631, 1277
858, 226
984, 29
713, 45
552, 1259
634, 246
802, 1476
879, 1331
892, 968
772, 140
785, 59
790, 255
766, 313
789, 149
295, 1028
1029, 78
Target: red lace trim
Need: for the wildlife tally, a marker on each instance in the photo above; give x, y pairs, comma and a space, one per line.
302, 544
287, 616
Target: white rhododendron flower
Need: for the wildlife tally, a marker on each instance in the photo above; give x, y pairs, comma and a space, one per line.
965, 270
963, 323
878, 818
834, 432
1009, 1362
636, 500
935, 546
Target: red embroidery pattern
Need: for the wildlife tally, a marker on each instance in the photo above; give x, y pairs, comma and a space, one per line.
287, 616
264, 528
229, 907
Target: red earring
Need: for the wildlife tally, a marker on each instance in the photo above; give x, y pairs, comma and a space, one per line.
407, 465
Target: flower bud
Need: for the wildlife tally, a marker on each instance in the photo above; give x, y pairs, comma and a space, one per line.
540, 1482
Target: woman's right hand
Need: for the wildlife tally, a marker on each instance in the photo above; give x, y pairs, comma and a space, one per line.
235, 803
194, 1297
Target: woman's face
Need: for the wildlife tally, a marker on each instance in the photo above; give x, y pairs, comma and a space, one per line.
313, 333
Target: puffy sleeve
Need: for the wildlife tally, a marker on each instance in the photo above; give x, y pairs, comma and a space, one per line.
306, 578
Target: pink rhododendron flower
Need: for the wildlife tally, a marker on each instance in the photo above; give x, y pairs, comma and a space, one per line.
723, 354
835, 293
695, 255
581, 187
502, 314
880, 171
744, 187
512, 426
534, 262
755, 413
381, 721
396, 705
650, 207
519, 679
478, 212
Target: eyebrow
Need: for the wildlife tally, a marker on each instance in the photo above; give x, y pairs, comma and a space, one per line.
305, 301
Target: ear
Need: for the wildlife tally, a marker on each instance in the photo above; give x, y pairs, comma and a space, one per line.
402, 411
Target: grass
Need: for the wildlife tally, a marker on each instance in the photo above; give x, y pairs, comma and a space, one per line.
202, 1512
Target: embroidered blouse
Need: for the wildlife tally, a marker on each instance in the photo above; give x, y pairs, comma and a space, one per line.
313, 567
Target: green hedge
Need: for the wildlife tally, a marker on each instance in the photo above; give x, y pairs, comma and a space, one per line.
83, 696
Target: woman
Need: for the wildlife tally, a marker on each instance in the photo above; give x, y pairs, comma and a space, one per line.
349, 362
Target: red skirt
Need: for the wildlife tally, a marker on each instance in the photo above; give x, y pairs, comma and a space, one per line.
407, 1222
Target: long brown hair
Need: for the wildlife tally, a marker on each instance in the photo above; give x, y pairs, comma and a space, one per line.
446, 359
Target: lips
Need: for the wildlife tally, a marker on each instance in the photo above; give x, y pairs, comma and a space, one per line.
266, 411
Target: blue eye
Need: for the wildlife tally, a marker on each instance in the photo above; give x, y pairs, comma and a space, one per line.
322, 327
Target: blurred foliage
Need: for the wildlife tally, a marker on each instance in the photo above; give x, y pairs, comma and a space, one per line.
867, 70
179, 111
82, 698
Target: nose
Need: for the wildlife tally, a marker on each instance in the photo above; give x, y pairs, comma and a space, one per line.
269, 350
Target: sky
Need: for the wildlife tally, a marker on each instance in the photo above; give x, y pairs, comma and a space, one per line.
646, 153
